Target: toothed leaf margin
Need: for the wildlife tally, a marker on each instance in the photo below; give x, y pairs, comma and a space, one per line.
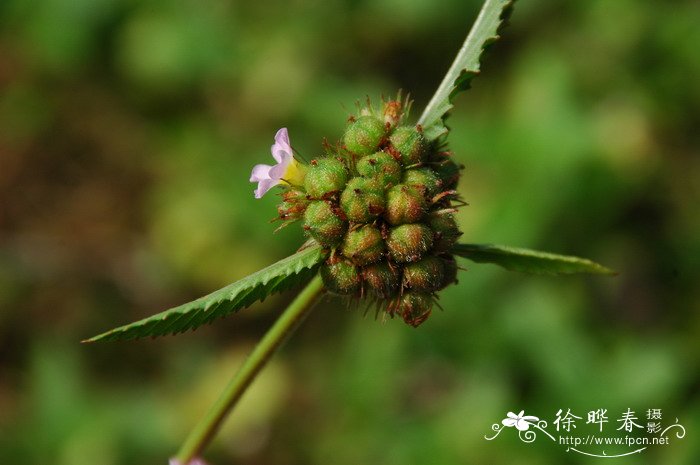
287, 273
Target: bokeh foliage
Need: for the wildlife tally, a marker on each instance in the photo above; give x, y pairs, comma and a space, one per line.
127, 131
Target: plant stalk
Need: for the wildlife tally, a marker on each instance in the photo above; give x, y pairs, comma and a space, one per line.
290, 319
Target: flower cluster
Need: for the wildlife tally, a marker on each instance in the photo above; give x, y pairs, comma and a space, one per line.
382, 202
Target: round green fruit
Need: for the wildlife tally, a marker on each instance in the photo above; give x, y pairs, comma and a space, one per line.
341, 276
415, 307
380, 166
423, 179
409, 242
450, 271
364, 135
410, 144
362, 200
323, 224
325, 176
381, 279
446, 231
363, 245
294, 203
425, 275
448, 172
404, 204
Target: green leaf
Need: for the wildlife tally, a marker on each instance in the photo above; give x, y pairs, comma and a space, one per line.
492, 17
528, 261
292, 271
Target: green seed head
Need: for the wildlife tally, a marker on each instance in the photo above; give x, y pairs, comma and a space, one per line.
341, 276
381, 279
325, 176
362, 200
404, 204
425, 275
423, 179
363, 245
380, 166
323, 224
409, 242
446, 231
383, 202
410, 144
415, 307
364, 135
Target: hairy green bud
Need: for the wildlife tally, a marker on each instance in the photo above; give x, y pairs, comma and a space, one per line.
410, 144
294, 195
446, 231
423, 179
448, 172
290, 210
362, 200
404, 204
450, 271
381, 279
341, 276
415, 307
392, 112
325, 176
363, 245
408, 242
364, 135
425, 275
294, 203
380, 166
321, 222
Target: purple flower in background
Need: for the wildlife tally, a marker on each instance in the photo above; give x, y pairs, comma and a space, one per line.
286, 170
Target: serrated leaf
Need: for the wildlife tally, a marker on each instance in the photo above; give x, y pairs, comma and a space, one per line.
493, 15
292, 271
528, 261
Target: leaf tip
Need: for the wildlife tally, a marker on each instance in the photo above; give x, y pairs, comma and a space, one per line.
608, 271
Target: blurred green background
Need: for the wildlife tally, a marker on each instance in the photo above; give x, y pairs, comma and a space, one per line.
127, 133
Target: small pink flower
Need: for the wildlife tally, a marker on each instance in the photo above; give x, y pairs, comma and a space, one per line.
286, 169
520, 421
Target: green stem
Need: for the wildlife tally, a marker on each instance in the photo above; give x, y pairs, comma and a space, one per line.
290, 319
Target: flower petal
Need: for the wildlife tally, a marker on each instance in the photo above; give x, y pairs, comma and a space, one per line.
268, 176
512, 415
530, 418
265, 185
260, 172
281, 149
277, 171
